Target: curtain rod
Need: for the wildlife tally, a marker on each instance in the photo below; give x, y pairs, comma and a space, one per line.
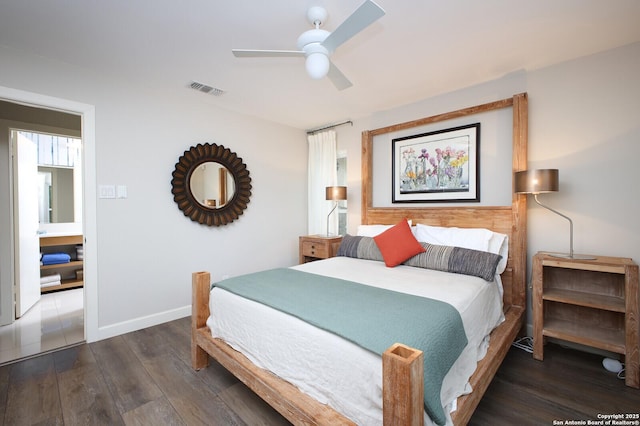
311, 132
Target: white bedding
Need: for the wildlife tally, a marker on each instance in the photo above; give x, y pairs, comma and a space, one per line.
338, 372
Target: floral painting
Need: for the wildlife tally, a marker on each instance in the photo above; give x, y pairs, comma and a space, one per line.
440, 166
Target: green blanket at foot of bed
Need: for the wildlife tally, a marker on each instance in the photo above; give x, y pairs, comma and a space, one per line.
370, 317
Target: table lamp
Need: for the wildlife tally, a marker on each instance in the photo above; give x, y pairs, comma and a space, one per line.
545, 180
335, 193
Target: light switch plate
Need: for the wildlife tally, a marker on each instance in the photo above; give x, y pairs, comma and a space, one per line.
121, 191
107, 191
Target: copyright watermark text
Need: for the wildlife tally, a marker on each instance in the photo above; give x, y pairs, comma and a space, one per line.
619, 419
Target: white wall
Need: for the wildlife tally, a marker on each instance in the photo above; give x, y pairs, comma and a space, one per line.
584, 119
146, 249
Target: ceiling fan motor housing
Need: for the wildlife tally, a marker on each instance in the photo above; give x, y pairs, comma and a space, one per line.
310, 37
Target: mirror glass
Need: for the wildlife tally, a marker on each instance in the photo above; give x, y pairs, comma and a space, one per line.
212, 185
55, 195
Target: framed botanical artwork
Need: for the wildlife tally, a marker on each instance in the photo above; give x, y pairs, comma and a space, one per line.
440, 166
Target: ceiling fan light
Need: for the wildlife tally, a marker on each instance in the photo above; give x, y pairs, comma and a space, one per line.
317, 65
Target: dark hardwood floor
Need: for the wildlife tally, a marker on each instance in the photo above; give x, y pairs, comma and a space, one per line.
567, 385
145, 378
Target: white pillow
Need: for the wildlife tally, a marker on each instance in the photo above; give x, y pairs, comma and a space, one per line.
373, 230
471, 238
499, 244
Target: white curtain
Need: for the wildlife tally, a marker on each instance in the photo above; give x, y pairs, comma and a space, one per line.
322, 173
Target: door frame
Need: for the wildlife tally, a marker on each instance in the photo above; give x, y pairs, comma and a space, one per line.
89, 220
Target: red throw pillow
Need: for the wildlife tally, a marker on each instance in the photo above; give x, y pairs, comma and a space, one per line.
398, 244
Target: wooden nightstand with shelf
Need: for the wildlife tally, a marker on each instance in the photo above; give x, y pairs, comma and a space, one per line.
589, 302
316, 247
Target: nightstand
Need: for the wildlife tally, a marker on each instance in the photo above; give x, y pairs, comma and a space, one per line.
589, 302
315, 247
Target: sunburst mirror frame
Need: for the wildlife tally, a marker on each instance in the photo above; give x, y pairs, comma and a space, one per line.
183, 196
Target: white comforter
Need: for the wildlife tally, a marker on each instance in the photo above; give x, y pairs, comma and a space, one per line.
338, 372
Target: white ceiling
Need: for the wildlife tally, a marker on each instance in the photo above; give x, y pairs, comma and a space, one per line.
419, 49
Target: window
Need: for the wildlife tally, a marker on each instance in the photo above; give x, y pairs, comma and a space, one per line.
341, 167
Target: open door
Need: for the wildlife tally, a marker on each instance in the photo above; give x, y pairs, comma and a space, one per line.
27, 250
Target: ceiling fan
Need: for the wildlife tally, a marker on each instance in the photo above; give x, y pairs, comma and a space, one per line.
317, 45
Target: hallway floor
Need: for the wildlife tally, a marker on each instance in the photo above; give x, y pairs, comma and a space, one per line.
57, 320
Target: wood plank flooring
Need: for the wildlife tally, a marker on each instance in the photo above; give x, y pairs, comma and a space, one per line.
145, 378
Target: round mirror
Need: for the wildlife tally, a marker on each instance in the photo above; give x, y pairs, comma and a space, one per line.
211, 184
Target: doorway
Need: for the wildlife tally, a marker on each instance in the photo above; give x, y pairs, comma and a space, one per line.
54, 310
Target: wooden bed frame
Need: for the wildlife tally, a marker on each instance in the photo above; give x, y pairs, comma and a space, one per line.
402, 370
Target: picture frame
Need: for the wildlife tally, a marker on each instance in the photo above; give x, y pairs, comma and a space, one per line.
440, 166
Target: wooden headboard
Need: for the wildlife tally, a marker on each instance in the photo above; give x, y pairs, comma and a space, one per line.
510, 220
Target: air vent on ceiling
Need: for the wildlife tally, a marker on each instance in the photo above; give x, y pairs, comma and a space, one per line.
206, 89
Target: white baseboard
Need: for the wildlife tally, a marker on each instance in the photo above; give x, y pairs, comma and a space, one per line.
142, 322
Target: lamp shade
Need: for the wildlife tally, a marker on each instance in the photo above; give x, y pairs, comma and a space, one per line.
536, 181
336, 193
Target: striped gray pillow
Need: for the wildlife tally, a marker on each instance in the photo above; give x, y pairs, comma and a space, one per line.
360, 248
349, 246
457, 260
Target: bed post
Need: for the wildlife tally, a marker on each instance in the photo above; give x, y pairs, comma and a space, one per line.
200, 282
518, 241
402, 386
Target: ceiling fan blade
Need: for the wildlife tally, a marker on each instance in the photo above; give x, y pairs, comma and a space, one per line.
337, 78
246, 53
365, 15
